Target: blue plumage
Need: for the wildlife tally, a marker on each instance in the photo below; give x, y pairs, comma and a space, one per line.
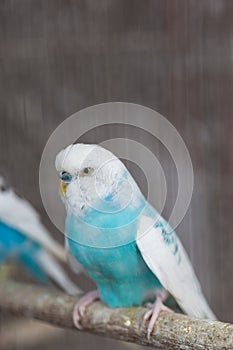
105, 245
122, 277
14, 245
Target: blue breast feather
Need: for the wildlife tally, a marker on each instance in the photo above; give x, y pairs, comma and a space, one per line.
106, 248
17, 246
122, 277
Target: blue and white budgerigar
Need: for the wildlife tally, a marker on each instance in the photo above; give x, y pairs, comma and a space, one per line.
23, 238
121, 241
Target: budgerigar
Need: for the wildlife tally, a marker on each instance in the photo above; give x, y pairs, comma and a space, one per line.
122, 242
23, 238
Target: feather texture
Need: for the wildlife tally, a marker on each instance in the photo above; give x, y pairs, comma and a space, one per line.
173, 268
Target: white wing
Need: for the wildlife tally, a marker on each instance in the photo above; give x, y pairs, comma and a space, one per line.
55, 271
171, 265
19, 214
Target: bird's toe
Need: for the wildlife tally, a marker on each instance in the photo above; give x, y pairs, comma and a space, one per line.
81, 306
76, 317
153, 314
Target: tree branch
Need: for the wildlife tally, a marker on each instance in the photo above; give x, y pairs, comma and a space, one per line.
172, 331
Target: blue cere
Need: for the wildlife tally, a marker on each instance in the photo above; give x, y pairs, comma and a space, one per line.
65, 176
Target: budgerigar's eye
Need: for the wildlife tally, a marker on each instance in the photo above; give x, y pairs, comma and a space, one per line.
87, 171
65, 176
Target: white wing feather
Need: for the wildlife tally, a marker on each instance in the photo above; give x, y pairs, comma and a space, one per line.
54, 271
174, 270
19, 214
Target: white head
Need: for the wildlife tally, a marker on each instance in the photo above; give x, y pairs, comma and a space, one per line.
93, 177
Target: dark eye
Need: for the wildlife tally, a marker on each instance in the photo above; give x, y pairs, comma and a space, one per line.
86, 171
65, 176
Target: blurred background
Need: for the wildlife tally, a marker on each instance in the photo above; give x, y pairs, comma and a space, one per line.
175, 56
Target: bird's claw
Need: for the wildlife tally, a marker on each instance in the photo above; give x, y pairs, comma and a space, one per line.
81, 305
152, 315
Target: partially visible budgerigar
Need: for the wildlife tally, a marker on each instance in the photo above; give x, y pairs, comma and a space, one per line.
23, 238
126, 247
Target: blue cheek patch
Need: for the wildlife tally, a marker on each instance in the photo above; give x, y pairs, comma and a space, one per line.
108, 198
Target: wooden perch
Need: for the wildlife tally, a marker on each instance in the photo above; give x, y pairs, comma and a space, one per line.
172, 331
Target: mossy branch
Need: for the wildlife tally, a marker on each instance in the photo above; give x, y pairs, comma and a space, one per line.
172, 331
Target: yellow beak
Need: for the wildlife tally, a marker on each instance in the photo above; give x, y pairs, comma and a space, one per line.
63, 187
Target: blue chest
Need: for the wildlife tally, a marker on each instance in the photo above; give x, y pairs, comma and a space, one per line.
13, 242
105, 245
120, 273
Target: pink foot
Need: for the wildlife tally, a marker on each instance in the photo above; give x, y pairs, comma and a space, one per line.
153, 314
81, 306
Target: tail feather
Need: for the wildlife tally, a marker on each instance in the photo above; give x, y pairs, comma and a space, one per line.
198, 307
56, 273
56, 249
